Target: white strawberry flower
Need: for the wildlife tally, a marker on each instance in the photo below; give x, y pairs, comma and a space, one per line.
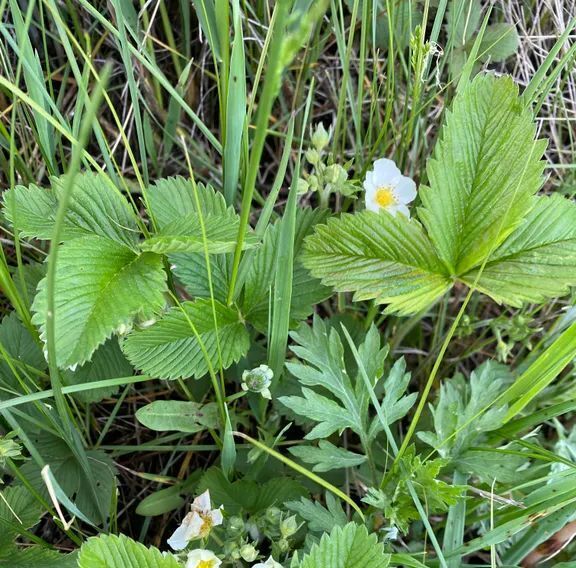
386, 188
202, 558
270, 563
197, 523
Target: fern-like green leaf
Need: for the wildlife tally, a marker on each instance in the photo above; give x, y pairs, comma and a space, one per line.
377, 256
96, 207
101, 286
486, 167
538, 260
347, 547
170, 349
111, 551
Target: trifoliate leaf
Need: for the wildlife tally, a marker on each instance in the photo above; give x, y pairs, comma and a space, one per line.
101, 286
112, 551
486, 167
327, 456
377, 256
171, 348
318, 517
173, 198
179, 415
538, 260
347, 547
97, 207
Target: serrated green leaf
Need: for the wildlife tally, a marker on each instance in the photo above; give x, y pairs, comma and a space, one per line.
170, 348
327, 456
36, 557
247, 495
538, 260
185, 235
111, 551
458, 419
190, 269
347, 547
108, 362
96, 208
19, 509
485, 169
318, 517
100, 286
179, 415
19, 343
377, 256
173, 198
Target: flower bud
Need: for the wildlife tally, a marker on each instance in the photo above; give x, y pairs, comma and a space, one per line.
321, 138
312, 156
248, 552
288, 527
258, 380
235, 526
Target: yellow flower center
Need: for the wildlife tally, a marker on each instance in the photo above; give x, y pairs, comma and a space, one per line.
385, 196
205, 529
206, 564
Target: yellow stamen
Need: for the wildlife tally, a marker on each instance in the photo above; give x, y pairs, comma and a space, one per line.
385, 197
206, 564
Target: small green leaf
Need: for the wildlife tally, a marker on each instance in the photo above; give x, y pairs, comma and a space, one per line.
170, 349
377, 256
327, 456
111, 551
182, 416
347, 547
319, 518
101, 286
499, 42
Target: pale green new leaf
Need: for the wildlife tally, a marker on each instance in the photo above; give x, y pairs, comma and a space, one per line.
101, 286
327, 456
486, 167
111, 551
179, 415
96, 207
377, 256
347, 547
170, 349
538, 260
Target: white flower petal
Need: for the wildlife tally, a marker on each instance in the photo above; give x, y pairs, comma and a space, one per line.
385, 170
401, 208
216, 516
195, 557
270, 563
371, 204
405, 190
202, 503
188, 530
369, 185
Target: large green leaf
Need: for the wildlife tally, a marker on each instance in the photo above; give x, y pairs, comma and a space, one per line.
101, 286
96, 207
538, 260
377, 256
347, 547
170, 349
111, 551
36, 557
485, 169
179, 415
